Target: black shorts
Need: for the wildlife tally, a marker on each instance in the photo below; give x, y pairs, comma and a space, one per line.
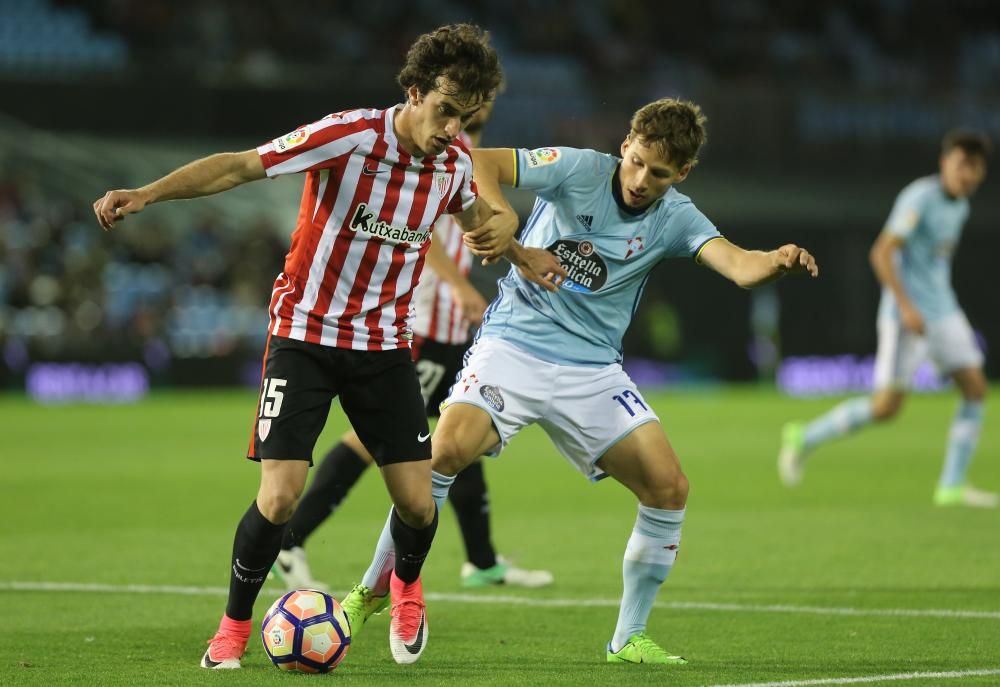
438, 366
378, 391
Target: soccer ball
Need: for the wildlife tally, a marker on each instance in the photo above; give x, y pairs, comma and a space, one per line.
307, 631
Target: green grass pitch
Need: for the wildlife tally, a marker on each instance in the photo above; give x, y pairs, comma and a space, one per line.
771, 585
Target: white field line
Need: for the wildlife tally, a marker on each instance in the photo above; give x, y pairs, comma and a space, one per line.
513, 600
869, 679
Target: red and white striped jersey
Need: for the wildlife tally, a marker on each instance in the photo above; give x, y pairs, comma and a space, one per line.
367, 212
437, 315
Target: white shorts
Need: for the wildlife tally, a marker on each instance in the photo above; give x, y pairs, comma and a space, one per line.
584, 410
949, 343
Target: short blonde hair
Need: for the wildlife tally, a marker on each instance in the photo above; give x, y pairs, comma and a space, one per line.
675, 127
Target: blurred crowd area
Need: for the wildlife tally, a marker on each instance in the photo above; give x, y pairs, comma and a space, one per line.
89, 81
868, 43
70, 291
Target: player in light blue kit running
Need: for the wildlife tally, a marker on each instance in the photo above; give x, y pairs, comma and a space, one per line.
555, 358
919, 316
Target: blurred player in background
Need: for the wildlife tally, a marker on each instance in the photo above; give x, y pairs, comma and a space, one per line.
555, 358
446, 304
919, 317
376, 181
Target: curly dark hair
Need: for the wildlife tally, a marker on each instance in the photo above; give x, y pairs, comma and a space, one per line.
675, 127
460, 53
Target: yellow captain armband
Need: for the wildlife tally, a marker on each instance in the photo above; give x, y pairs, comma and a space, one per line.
697, 255
514, 151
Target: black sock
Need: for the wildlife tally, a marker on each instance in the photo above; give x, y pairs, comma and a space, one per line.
471, 502
255, 548
339, 471
412, 546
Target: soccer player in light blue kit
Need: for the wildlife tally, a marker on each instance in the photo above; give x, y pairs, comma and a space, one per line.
555, 358
919, 316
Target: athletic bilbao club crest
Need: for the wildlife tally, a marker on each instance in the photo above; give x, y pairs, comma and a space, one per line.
441, 183
263, 429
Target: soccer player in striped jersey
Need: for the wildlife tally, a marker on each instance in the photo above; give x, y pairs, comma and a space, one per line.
446, 304
919, 317
555, 358
376, 182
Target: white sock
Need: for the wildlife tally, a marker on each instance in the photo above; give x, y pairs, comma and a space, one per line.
844, 418
649, 556
376, 578
962, 439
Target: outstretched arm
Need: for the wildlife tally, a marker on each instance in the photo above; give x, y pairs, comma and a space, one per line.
488, 230
537, 265
751, 268
495, 166
212, 174
882, 257
490, 223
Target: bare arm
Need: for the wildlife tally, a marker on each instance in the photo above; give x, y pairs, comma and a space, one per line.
537, 265
751, 268
496, 166
490, 223
468, 298
474, 216
212, 174
882, 257
493, 167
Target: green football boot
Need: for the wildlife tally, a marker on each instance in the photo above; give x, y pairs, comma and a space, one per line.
792, 457
964, 495
506, 573
641, 649
360, 605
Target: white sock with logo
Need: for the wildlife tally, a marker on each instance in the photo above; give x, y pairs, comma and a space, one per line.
649, 556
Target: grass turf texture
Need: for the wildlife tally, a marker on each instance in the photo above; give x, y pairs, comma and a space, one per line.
151, 493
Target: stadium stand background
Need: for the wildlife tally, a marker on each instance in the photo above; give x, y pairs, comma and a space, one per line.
818, 114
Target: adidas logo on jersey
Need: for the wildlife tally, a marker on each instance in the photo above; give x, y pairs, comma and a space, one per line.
363, 222
586, 221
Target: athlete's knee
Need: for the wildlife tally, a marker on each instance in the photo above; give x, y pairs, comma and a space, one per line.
678, 493
415, 509
281, 485
277, 502
670, 493
886, 406
975, 390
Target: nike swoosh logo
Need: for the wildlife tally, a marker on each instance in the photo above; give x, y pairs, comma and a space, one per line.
423, 437
419, 641
372, 172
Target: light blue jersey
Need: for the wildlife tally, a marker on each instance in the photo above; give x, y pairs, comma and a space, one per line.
930, 222
607, 249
